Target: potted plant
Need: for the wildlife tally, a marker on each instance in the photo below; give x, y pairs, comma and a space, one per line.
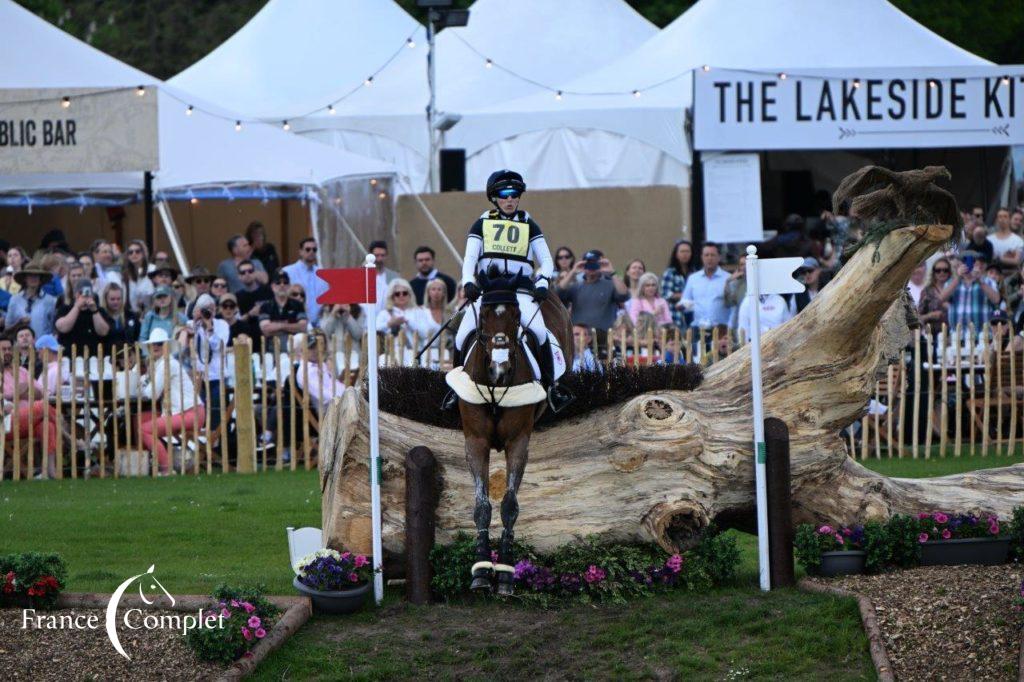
952, 539
831, 551
337, 582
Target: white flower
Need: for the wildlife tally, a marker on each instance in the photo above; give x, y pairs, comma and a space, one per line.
301, 564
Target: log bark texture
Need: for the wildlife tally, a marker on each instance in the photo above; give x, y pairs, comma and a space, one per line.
663, 465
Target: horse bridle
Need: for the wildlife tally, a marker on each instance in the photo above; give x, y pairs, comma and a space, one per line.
481, 340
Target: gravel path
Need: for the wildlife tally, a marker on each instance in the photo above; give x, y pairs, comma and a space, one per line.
87, 654
946, 622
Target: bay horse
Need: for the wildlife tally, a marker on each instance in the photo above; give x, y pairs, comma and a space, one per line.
496, 361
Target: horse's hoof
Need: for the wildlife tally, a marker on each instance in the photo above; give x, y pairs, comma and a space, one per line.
480, 584
505, 589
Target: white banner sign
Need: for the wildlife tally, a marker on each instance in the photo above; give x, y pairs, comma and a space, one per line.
732, 198
78, 131
857, 109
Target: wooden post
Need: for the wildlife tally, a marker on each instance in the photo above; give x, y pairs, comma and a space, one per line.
986, 387
245, 417
780, 512
14, 421
60, 415
126, 354
222, 397
999, 396
100, 403
903, 407
1011, 447
304, 355
878, 428
292, 407
32, 435
915, 428
892, 410
421, 496
929, 341
280, 406
944, 407
689, 344
165, 401
74, 407
263, 397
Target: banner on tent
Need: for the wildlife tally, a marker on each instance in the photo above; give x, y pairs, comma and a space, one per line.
78, 131
858, 109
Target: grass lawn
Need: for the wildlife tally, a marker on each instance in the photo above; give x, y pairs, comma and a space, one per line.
908, 467
200, 531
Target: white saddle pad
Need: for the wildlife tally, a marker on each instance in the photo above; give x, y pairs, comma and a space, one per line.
477, 394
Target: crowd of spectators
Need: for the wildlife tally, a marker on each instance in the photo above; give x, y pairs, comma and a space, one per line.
57, 298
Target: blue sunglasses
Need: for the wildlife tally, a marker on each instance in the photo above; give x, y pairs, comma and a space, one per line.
509, 193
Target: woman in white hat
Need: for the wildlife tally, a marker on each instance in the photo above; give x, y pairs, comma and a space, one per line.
165, 383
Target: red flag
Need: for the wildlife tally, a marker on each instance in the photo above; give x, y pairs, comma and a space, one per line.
348, 285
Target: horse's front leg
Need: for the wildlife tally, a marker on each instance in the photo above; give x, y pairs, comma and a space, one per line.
515, 465
478, 455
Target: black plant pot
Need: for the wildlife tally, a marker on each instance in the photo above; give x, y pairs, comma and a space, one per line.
335, 603
843, 563
981, 551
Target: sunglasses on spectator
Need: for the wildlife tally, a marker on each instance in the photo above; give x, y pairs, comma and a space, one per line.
509, 193
202, 280
309, 249
401, 293
178, 287
565, 256
219, 285
134, 251
247, 271
228, 305
299, 297
941, 270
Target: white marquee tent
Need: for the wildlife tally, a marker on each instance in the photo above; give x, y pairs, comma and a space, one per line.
198, 153
276, 68
634, 134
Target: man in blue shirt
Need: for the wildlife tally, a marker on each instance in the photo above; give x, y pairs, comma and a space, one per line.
705, 294
303, 271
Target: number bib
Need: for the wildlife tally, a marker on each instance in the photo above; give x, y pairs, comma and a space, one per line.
506, 238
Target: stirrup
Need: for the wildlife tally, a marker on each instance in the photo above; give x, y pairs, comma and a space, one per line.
450, 401
559, 398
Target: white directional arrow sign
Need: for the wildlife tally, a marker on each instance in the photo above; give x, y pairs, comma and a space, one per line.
768, 276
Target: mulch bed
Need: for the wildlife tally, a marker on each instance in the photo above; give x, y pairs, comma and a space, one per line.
945, 622
30, 654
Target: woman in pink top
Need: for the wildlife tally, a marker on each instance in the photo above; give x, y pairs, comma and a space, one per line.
648, 301
24, 411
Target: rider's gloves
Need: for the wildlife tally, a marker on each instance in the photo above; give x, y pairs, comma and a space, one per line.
540, 293
472, 291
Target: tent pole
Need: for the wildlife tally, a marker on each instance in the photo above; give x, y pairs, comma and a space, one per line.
698, 229
147, 182
172, 236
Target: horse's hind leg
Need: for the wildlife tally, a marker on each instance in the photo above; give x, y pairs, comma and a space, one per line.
478, 454
515, 465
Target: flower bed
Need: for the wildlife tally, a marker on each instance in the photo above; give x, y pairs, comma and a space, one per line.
248, 617
591, 571
31, 580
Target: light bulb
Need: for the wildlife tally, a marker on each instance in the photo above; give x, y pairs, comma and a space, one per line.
411, 43
194, 201
856, 82
238, 126
140, 91
782, 76
330, 110
373, 182
636, 93
188, 110
488, 64
558, 95
368, 82
706, 67
65, 102
931, 84
382, 195
285, 125
1006, 80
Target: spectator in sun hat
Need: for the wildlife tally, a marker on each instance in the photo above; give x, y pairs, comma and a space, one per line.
31, 305
200, 279
163, 273
206, 337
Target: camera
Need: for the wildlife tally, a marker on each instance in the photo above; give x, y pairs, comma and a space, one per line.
206, 313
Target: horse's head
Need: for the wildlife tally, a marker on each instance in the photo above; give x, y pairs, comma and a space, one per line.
498, 328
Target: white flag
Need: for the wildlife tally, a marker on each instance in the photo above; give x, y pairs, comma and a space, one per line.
775, 275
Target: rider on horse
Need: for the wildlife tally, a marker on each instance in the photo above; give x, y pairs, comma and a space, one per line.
510, 240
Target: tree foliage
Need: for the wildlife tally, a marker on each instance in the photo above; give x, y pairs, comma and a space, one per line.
163, 37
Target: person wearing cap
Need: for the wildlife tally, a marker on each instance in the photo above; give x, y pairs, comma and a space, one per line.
207, 337
281, 316
595, 299
318, 378
47, 351
303, 272
200, 280
164, 382
26, 413
238, 326
31, 305
810, 274
82, 324
508, 239
163, 274
164, 314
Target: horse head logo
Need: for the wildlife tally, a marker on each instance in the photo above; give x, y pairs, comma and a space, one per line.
145, 580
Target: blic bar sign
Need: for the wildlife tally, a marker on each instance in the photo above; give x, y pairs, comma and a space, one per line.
867, 108
78, 131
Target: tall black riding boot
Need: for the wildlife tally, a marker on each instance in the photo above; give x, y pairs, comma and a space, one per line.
450, 400
558, 396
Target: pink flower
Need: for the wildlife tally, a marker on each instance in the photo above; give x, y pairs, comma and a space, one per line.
826, 530
946, 534
847, 532
234, 603
353, 577
839, 539
494, 556
993, 528
254, 621
594, 574
923, 515
675, 563
940, 517
225, 613
923, 537
249, 608
246, 634
260, 633
361, 561
345, 556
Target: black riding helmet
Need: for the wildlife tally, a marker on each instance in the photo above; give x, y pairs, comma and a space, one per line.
504, 179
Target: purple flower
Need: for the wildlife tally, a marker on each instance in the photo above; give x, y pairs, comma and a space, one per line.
522, 568
826, 530
674, 563
922, 538
940, 517
993, 527
593, 574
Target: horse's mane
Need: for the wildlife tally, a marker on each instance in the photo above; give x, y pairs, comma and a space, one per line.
416, 393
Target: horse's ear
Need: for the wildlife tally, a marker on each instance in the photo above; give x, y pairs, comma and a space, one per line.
493, 272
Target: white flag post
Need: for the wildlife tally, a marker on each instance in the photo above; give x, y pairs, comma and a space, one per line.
768, 276
378, 552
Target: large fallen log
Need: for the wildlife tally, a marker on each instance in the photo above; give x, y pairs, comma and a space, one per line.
663, 465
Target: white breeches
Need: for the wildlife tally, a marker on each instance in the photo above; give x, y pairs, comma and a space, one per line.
529, 313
